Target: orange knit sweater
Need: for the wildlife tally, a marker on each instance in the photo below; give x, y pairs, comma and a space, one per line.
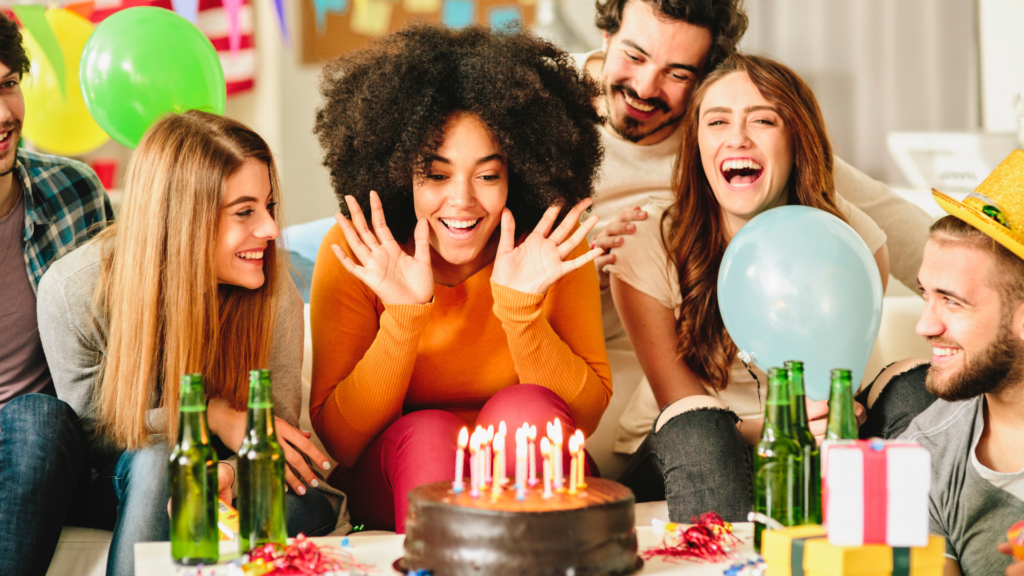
372, 363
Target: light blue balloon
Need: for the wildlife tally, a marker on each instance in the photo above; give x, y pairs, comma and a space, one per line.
797, 283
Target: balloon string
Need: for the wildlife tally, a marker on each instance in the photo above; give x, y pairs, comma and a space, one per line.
747, 358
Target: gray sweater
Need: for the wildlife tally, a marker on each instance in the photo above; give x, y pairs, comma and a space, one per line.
74, 339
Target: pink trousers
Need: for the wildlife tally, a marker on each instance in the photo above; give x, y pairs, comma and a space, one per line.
419, 448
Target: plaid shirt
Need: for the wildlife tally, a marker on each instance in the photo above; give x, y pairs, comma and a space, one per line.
65, 204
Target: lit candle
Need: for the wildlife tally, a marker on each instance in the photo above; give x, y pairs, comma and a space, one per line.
556, 455
488, 441
474, 465
481, 476
573, 475
582, 456
503, 472
458, 485
533, 460
520, 465
545, 452
499, 455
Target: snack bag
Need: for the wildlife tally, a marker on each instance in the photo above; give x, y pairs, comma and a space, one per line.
227, 521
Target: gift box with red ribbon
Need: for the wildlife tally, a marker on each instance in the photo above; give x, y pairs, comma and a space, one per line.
875, 492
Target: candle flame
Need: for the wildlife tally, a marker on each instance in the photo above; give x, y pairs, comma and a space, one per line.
502, 428
557, 436
545, 446
579, 434
499, 442
463, 437
520, 450
532, 433
490, 432
474, 442
574, 444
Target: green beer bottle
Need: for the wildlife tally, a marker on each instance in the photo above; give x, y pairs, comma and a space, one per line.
192, 473
842, 423
810, 484
778, 466
261, 471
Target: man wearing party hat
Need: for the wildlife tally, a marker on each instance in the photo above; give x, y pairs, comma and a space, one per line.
972, 280
48, 207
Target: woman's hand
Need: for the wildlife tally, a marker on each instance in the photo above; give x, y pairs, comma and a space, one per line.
817, 417
225, 478
394, 276
539, 262
229, 425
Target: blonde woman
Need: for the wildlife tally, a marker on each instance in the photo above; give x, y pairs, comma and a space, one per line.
188, 280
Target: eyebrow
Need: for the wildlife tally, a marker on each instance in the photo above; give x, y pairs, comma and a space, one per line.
240, 200
483, 160
686, 67
747, 110
949, 293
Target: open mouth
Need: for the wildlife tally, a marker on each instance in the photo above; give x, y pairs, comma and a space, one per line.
460, 226
741, 172
252, 255
638, 104
945, 352
6, 138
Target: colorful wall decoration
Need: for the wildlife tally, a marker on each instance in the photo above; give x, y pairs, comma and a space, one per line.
334, 27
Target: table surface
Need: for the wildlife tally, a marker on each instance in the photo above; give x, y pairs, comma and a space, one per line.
381, 550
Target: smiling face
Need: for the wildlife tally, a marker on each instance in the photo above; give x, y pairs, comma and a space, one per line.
974, 347
462, 195
650, 66
12, 112
246, 226
745, 149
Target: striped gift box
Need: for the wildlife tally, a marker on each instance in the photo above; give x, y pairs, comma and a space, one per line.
240, 67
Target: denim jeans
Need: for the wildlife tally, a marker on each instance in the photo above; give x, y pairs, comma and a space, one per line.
46, 482
43, 464
699, 462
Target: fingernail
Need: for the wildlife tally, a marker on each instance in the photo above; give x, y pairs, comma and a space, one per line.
315, 483
618, 241
327, 465
301, 490
630, 227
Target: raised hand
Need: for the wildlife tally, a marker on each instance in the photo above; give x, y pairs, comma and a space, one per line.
540, 261
393, 275
612, 237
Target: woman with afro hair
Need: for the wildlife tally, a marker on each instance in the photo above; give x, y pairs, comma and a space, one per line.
469, 298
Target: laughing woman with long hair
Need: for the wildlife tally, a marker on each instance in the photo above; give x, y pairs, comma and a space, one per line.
753, 139
188, 280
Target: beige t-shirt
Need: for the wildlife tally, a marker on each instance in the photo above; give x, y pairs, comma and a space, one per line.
643, 263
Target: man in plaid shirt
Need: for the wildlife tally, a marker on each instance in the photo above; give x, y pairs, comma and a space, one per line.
48, 207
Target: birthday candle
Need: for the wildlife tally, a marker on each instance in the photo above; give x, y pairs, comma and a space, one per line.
545, 452
481, 478
474, 465
499, 454
532, 434
582, 457
502, 473
521, 466
458, 485
556, 455
573, 440
488, 444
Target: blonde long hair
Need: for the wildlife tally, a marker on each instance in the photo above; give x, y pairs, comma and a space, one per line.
166, 314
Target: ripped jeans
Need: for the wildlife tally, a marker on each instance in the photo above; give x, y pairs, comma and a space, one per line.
699, 462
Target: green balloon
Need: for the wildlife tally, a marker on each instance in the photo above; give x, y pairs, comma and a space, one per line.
143, 62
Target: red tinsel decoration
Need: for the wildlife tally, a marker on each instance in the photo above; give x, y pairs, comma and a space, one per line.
709, 540
304, 558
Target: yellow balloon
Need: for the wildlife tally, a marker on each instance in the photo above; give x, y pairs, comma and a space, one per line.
59, 124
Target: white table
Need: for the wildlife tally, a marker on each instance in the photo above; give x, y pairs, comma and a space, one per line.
381, 550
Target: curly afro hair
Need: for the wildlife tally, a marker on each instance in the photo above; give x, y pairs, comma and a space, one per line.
385, 109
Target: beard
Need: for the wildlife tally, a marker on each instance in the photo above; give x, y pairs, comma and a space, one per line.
996, 367
629, 128
9, 158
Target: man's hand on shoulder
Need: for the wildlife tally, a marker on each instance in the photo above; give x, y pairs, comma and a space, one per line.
612, 237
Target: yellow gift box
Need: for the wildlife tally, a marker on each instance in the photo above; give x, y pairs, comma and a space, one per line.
805, 551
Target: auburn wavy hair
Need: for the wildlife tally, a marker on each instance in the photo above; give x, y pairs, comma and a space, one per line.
167, 315
693, 227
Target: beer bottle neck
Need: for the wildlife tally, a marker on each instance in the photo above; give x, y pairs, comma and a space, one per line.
192, 425
260, 422
842, 423
777, 416
798, 400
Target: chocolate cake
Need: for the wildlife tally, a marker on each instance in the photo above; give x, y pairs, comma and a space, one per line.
589, 533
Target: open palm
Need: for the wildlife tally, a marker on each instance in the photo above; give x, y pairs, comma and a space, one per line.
393, 275
540, 260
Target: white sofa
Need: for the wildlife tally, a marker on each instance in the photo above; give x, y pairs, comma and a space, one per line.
83, 551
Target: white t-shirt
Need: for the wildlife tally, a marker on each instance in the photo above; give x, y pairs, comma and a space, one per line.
643, 263
1012, 482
